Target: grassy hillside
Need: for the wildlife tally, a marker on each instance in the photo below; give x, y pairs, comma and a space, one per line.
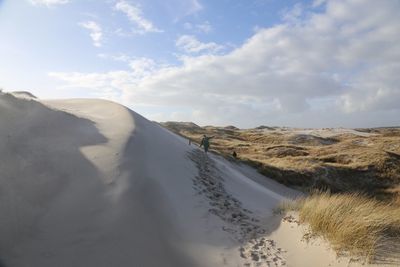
341, 160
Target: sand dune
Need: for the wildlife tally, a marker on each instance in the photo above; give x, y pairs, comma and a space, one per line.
91, 183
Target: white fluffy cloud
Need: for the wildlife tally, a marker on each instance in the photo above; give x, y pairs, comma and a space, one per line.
135, 15
333, 67
96, 33
190, 44
109, 84
49, 2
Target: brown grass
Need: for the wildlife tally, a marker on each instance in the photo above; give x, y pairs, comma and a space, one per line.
353, 223
343, 162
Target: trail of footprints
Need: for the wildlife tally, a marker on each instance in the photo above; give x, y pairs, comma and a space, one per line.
242, 224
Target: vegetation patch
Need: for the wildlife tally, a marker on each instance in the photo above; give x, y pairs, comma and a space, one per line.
341, 160
354, 224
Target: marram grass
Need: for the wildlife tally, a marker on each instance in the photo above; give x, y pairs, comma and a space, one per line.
352, 223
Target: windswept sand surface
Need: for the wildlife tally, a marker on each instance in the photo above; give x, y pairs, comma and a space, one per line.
91, 183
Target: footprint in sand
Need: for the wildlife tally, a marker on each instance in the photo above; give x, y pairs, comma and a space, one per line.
243, 225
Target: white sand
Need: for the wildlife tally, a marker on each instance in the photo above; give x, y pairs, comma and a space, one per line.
91, 183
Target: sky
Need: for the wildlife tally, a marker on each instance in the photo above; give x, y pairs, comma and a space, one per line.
316, 63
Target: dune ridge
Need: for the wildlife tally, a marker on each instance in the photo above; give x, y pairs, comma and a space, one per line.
89, 182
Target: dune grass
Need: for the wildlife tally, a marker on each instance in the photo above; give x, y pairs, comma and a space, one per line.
366, 160
353, 223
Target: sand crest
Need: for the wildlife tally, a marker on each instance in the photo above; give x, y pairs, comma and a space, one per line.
89, 182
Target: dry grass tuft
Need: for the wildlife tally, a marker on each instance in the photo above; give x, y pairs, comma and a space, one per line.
353, 223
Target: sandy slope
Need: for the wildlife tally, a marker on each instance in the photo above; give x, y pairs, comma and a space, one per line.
91, 183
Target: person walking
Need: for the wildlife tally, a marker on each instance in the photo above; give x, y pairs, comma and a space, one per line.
205, 142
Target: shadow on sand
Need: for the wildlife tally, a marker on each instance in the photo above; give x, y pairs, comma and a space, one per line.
41, 157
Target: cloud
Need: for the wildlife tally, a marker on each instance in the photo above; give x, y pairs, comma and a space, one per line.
96, 32
118, 57
317, 3
143, 67
49, 3
294, 14
333, 67
190, 44
135, 15
112, 82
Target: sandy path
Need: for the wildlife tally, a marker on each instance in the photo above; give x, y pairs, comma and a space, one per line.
243, 225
